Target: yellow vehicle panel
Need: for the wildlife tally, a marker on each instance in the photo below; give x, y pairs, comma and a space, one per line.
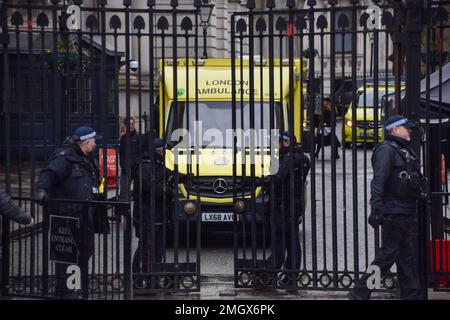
216, 162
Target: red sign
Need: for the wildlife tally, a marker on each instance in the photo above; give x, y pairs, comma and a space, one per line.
111, 166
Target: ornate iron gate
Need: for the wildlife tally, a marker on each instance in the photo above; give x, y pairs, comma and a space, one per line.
290, 59
61, 69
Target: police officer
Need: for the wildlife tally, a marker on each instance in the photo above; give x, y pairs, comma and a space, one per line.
72, 173
397, 184
287, 245
142, 260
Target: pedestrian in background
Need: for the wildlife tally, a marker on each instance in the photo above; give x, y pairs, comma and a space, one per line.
324, 134
129, 138
396, 186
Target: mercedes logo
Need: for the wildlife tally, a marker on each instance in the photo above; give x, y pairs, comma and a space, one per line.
220, 186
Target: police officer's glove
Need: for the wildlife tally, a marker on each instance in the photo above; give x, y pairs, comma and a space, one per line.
40, 196
376, 219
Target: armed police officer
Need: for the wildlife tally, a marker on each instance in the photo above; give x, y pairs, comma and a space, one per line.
396, 186
72, 173
287, 244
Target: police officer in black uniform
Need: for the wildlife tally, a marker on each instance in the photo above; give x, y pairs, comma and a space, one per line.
287, 244
142, 213
72, 173
396, 186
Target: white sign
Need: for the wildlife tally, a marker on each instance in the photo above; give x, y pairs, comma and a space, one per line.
217, 216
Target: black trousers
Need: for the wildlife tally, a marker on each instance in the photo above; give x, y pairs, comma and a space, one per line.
327, 142
125, 181
142, 256
399, 245
288, 252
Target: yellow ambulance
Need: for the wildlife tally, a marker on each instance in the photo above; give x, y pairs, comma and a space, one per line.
200, 132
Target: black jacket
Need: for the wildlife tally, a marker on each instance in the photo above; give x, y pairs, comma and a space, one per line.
69, 175
11, 210
301, 164
134, 151
389, 195
143, 190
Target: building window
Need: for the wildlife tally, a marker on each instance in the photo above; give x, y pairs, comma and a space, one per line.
81, 95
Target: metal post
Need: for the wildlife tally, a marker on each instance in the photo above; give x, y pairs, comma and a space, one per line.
5, 222
205, 53
412, 42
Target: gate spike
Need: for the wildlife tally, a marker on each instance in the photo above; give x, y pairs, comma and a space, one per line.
115, 22
103, 3
387, 19
354, 2
343, 22
322, 22
261, 25
150, 3
270, 4
290, 4
241, 26
91, 22
174, 3
127, 3
311, 3
281, 24
17, 19
332, 2
162, 24
251, 4
139, 23
42, 20
186, 24
363, 20
197, 3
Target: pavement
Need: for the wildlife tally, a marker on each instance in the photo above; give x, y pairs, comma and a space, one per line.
215, 287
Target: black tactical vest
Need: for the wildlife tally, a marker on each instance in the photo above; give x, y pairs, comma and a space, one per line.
81, 184
406, 180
